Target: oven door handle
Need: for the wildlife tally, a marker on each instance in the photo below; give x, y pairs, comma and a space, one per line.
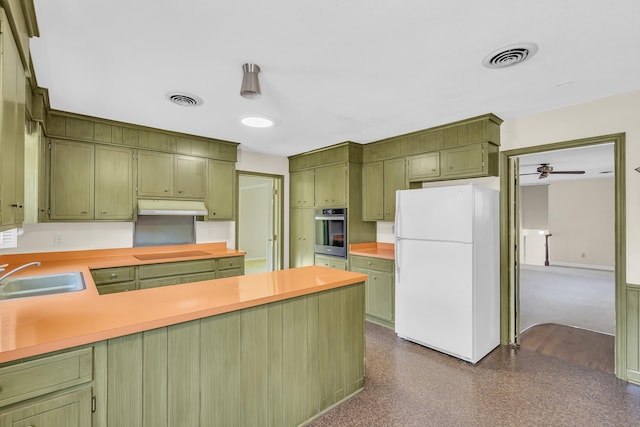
329, 218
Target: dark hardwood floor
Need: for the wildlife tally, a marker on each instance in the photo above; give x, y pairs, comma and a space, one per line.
575, 345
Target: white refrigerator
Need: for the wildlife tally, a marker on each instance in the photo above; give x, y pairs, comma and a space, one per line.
448, 269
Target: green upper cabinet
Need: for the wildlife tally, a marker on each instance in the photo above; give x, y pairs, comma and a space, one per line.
302, 189
380, 181
466, 161
171, 176
423, 166
220, 196
114, 183
373, 191
331, 185
190, 177
12, 130
72, 180
155, 174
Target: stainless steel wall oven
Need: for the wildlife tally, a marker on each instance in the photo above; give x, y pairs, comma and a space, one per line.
331, 232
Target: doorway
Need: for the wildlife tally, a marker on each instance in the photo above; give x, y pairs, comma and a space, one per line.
260, 225
511, 251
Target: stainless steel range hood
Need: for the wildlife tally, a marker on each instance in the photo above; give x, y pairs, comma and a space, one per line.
171, 207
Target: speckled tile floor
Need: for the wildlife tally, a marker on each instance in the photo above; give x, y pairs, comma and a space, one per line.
409, 385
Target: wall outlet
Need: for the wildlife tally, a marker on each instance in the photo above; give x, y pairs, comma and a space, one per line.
58, 240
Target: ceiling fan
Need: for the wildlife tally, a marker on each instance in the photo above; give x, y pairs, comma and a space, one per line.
545, 169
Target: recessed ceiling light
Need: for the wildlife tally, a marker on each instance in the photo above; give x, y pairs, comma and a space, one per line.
257, 122
510, 55
184, 99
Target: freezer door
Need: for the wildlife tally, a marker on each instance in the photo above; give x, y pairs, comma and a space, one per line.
440, 213
434, 295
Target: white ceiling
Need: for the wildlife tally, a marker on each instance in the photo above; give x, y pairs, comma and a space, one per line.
332, 70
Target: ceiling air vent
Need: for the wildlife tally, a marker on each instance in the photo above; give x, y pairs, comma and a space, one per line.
510, 55
184, 99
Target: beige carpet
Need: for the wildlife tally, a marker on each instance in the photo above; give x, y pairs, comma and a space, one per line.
567, 296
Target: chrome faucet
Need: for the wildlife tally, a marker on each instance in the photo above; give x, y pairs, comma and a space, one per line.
29, 264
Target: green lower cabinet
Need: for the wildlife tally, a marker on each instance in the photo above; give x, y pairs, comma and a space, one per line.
380, 288
65, 410
130, 278
331, 262
53, 390
278, 364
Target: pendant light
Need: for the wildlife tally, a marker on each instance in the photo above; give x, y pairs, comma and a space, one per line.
250, 85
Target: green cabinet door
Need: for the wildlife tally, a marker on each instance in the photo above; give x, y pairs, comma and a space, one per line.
331, 185
221, 190
465, 161
302, 189
72, 180
382, 295
301, 238
12, 130
69, 410
373, 191
155, 174
394, 180
423, 166
114, 183
379, 288
190, 177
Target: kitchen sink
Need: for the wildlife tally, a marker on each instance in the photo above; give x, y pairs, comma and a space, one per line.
22, 287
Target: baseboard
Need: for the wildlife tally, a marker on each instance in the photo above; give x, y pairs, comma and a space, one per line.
588, 266
255, 259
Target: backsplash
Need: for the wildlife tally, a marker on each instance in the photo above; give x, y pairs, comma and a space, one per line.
61, 237
385, 232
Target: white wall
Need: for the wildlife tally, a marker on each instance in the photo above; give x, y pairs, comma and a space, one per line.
582, 221
616, 114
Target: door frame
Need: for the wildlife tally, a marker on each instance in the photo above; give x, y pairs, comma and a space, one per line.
506, 270
278, 211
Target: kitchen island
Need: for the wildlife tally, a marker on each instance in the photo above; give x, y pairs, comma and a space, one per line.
265, 349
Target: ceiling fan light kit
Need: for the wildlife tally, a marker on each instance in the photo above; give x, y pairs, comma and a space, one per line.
250, 88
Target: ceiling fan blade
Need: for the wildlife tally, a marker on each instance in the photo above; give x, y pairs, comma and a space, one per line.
568, 172
533, 173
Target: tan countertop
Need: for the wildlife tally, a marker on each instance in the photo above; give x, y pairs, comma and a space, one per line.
37, 325
373, 249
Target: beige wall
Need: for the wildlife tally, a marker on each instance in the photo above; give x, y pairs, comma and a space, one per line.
534, 207
581, 221
616, 114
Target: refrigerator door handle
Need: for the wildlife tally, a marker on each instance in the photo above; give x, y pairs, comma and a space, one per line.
397, 252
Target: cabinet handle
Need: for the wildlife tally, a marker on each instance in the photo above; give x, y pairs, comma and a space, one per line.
84, 212
103, 212
114, 275
18, 205
180, 191
369, 262
230, 262
433, 170
166, 190
213, 213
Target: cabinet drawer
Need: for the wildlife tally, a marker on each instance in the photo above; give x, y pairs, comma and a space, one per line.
116, 287
160, 281
198, 277
233, 272
372, 263
25, 380
113, 275
230, 262
176, 268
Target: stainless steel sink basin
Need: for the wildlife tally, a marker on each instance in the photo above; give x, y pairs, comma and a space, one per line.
49, 284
